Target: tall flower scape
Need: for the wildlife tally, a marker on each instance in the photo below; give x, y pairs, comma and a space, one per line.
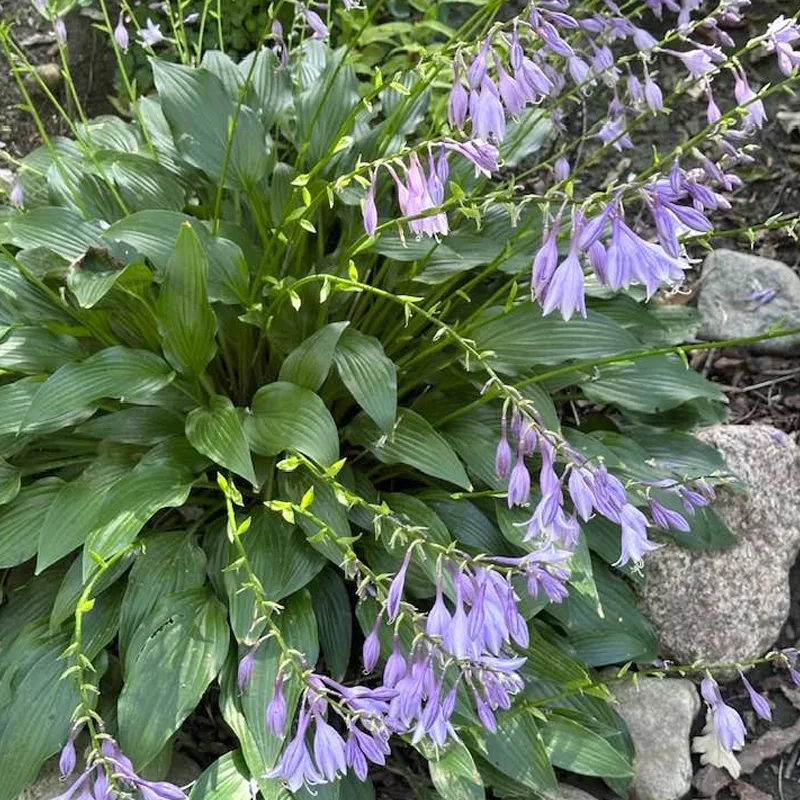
304, 336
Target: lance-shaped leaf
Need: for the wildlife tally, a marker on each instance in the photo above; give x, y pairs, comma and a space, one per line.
117, 372
176, 652
20, 521
309, 363
412, 441
225, 779
186, 321
217, 432
288, 417
369, 375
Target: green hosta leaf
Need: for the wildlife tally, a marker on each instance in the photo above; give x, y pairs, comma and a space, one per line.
36, 350
334, 620
144, 183
650, 385
308, 365
282, 561
117, 372
201, 115
576, 748
474, 437
154, 234
455, 775
129, 505
414, 442
325, 101
288, 417
27, 598
621, 634
35, 723
217, 432
73, 511
10, 482
186, 320
91, 277
225, 779
469, 525
680, 452
170, 563
369, 376
177, 651
518, 750
21, 520
58, 229
147, 425
523, 337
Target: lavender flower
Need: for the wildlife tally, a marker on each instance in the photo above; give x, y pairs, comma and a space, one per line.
758, 701
482, 154
276, 708
635, 543
68, 758
369, 210
561, 170
665, 518
245, 669
16, 195
486, 113
545, 262
502, 458
519, 484
151, 34
121, 33
60, 30
565, 289
318, 28
458, 104
372, 645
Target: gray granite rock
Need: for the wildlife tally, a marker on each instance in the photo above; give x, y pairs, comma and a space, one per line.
730, 605
728, 310
567, 792
659, 714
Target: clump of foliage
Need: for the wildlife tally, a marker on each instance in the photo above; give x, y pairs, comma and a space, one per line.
276, 370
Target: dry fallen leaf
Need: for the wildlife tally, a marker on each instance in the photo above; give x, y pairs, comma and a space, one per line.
711, 752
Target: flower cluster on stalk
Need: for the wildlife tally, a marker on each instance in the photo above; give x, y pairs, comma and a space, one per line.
108, 775
590, 487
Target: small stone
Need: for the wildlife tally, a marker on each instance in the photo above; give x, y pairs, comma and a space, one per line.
49, 74
183, 770
659, 714
730, 605
733, 302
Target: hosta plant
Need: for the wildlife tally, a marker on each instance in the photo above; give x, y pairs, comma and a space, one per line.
336, 404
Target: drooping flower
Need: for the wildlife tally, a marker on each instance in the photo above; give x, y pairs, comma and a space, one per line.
396, 590
319, 30
16, 195
121, 33
245, 669
635, 543
665, 518
68, 757
565, 290
369, 211
276, 708
519, 484
60, 30
758, 701
502, 457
